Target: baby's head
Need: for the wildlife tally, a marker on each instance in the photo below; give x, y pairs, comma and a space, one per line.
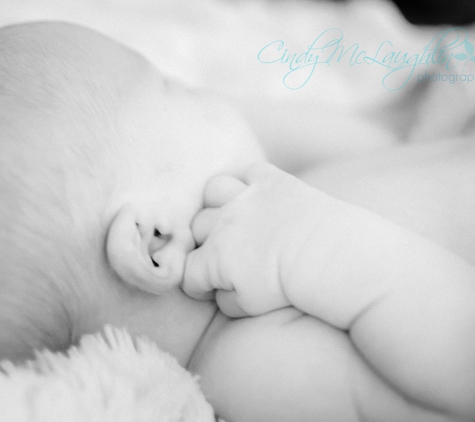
102, 167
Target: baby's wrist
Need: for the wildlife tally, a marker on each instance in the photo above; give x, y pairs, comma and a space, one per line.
316, 274
312, 239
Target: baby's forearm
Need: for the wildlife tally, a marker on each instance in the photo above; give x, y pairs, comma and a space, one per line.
408, 304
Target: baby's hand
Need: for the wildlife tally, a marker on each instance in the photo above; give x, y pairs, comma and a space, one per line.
247, 234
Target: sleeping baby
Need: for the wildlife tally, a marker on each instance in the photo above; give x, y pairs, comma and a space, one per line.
104, 166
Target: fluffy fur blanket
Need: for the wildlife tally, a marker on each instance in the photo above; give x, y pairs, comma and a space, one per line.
110, 378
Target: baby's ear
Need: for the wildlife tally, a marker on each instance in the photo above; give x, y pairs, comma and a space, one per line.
143, 256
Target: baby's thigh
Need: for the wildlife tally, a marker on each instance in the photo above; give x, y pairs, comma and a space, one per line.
289, 367
425, 188
282, 366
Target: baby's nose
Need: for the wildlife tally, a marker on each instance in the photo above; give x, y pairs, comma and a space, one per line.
169, 251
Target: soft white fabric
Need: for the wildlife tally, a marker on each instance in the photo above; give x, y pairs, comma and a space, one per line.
343, 109
114, 378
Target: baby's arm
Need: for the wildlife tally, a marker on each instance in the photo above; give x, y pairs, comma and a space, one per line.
408, 305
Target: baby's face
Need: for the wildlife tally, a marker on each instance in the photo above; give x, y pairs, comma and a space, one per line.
174, 141
146, 142
178, 138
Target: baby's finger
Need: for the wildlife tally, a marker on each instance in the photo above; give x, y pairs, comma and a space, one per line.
196, 280
203, 223
227, 303
221, 189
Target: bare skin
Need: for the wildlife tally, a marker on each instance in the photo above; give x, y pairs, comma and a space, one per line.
242, 362
396, 184
426, 188
150, 150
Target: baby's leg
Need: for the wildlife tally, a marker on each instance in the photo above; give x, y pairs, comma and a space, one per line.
426, 188
286, 366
